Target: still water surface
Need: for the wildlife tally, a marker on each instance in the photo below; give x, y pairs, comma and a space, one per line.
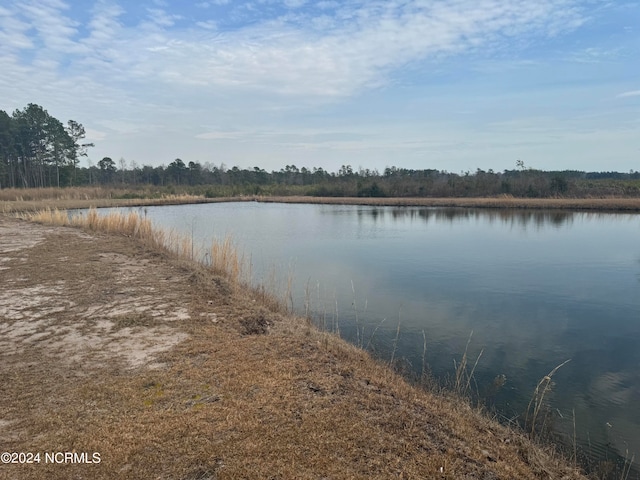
535, 287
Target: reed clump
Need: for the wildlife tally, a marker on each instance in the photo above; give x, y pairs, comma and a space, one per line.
464, 377
537, 403
225, 259
53, 193
34, 200
95, 193
222, 257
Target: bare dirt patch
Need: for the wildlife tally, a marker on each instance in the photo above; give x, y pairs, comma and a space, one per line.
68, 296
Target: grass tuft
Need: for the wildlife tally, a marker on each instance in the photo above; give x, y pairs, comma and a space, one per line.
536, 403
463, 379
222, 257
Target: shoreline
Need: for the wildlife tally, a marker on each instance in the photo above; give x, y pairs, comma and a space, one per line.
594, 204
191, 376
617, 204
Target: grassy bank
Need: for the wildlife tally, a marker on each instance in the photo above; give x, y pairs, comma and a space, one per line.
104, 199
21, 200
252, 392
602, 204
222, 258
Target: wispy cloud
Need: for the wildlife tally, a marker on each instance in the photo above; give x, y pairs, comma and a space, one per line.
13, 32
595, 55
309, 53
221, 135
633, 93
161, 18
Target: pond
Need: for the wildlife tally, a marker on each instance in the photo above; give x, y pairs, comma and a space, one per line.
532, 289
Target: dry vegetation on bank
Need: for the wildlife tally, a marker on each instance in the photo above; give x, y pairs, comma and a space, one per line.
34, 199
606, 204
239, 389
221, 258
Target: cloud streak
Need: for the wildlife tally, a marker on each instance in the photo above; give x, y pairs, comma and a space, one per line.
319, 52
633, 93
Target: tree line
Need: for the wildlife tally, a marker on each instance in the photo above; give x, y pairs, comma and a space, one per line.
218, 180
38, 150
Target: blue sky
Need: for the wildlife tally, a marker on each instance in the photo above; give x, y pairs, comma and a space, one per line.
448, 84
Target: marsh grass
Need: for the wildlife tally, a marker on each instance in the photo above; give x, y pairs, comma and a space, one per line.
226, 259
463, 383
628, 464
503, 201
373, 334
464, 377
52, 193
34, 200
537, 405
222, 257
92, 193
424, 371
395, 343
360, 327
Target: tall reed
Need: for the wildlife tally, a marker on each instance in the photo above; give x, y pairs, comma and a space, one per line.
463, 377
224, 258
537, 400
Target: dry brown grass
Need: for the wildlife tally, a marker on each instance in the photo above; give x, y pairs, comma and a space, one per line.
21, 200
462, 383
254, 394
75, 193
225, 259
612, 204
130, 224
537, 404
222, 257
31, 200
85, 194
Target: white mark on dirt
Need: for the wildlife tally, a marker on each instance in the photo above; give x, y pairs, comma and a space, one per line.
50, 319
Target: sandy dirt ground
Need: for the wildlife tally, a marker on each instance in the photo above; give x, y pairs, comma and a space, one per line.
72, 306
77, 303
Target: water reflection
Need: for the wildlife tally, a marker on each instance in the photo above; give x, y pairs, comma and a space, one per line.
511, 217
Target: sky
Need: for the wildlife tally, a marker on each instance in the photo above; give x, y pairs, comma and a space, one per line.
453, 85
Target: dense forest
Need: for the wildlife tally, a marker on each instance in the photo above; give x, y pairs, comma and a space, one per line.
37, 150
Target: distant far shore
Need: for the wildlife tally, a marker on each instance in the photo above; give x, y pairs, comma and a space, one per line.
610, 204
33, 199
